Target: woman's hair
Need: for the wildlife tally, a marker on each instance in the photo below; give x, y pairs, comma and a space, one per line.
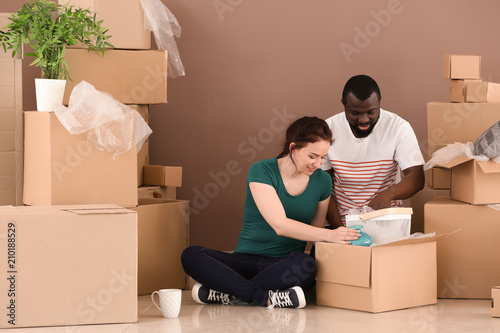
303, 131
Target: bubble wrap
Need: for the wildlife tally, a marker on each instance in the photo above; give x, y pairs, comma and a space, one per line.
160, 20
450, 152
110, 125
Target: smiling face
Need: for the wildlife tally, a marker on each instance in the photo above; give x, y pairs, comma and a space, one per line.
310, 157
362, 115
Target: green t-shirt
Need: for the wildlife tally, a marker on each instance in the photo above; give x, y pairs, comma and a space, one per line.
257, 236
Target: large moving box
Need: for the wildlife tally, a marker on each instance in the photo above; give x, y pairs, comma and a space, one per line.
124, 18
131, 77
459, 122
495, 301
417, 202
11, 126
467, 259
62, 168
375, 279
163, 227
67, 265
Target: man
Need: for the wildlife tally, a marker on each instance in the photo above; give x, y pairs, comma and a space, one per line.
370, 146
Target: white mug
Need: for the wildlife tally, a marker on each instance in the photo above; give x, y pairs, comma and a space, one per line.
170, 302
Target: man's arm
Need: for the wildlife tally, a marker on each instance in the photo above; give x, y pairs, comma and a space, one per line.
333, 214
413, 181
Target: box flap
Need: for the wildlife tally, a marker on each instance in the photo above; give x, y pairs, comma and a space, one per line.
489, 166
456, 161
419, 240
343, 264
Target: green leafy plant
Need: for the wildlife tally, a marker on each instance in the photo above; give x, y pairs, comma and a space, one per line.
48, 28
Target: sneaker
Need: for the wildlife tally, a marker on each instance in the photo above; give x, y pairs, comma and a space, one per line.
205, 295
290, 298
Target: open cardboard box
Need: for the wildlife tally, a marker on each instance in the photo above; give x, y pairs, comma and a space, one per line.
392, 276
474, 182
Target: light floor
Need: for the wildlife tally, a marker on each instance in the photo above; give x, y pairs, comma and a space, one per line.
447, 316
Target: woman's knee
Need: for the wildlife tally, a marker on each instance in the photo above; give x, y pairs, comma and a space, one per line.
190, 254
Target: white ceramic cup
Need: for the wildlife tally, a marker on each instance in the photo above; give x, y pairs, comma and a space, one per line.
170, 302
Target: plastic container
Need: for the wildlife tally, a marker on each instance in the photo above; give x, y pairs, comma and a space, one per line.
384, 225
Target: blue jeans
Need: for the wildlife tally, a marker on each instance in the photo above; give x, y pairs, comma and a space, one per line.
248, 277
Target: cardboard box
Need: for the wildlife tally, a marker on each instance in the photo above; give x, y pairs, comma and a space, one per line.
163, 235
11, 125
67, 265
495, 301
474, 182
467, 259
376, 279
62, 168
163, 175
124, 18
131, 77
417, 202
483, 92
159, 192
459, 122
458, 90
143, 154
440, 178
461, 66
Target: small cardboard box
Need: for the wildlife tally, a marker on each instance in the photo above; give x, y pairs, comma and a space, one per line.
63, 169
468, 258
376, 279
124, 18
495, 301
440, 178
461, 66
417, 202
131, 77
11, 125
163, 175
459, 122
67, 265
458, 90
159, 192
163, 227
483, 92
474, 182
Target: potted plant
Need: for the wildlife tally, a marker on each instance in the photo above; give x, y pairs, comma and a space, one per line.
48, 28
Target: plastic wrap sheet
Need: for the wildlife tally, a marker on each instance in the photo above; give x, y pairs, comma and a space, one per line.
450, 152
160, 20
110, 125
382, 229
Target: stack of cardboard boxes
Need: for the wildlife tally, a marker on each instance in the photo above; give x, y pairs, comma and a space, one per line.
11, 127
467, 261
86, 243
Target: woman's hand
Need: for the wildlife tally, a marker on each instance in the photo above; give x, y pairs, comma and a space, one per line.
343, 235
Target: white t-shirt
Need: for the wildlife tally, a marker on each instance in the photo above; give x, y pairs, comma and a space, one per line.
366, 166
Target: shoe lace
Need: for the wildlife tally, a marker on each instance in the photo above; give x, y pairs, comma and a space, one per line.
279, 299
214, 295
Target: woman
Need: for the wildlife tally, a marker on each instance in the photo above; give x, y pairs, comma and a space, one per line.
286, 205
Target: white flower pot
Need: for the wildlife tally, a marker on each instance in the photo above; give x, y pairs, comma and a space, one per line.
49, 93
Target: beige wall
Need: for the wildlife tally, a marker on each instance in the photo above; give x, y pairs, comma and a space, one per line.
252, 66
